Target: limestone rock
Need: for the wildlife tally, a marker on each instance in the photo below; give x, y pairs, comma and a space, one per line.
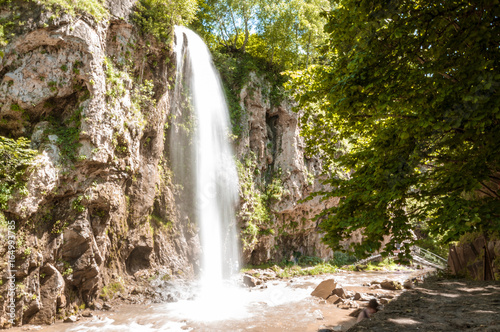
251, 281
340, 292
325, 289
51, 288
100, 199
391, 285
333, 299
271, 138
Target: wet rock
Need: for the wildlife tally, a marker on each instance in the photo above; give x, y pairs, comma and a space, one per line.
333, 299
344, 306
106, 306
376, 286
251, 281
325, 289
357, 296
340, 292
87, 313
391, 285
70, 319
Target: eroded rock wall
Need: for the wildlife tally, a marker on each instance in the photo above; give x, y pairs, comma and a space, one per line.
271, 148
99, 211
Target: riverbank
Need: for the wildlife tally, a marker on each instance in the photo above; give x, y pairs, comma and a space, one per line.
280, 304
440, 305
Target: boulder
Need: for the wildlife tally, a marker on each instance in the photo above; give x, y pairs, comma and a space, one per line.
340, 292
391, 285
357, 296
325, 289
333, 299
70, 319
251, 281
87, 313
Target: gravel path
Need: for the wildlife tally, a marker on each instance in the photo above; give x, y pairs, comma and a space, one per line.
440, 305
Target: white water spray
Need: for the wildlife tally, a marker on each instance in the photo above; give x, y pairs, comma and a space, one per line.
214, 177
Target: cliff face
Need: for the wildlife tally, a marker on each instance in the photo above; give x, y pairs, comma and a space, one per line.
97, 210
96, 213
276, 175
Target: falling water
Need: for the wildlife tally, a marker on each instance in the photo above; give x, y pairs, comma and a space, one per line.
200, 139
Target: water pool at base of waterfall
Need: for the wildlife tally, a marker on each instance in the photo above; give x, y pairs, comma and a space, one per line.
277, 305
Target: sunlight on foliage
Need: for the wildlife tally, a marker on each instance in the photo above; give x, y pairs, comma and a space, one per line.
158, 17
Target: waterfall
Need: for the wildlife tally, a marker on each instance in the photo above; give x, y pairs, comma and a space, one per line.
202, 157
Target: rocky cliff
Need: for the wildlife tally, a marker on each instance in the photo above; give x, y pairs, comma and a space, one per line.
276, 176
95, 210
86, 192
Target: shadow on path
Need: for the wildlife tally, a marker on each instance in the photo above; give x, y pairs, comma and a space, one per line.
441, 305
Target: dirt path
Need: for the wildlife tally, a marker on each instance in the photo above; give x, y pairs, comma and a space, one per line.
440, 305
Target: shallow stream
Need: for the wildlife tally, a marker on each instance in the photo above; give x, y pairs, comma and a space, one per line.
283, 305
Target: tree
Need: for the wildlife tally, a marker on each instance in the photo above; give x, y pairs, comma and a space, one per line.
158, 17
292, 30
406, 113
285, 32
225, 22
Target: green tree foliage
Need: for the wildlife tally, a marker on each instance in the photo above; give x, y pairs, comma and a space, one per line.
292, 30
158, 17
226, 22
286, 33
406, 113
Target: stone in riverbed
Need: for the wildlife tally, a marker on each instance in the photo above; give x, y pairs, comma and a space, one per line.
333, 299
339, 292
325, 289
251, 281
70, 319
318, 314
391, 285
87, 313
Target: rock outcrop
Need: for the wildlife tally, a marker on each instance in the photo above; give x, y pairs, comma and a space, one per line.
96, 211
272, 151
98, 207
